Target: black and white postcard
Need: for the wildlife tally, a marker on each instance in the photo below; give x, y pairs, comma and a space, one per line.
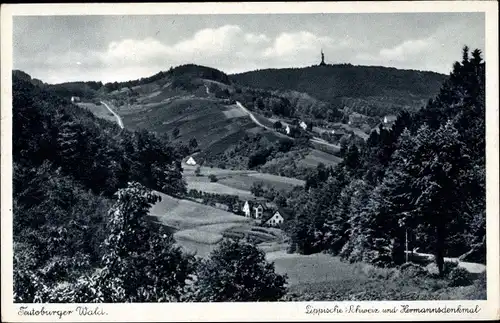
250, 161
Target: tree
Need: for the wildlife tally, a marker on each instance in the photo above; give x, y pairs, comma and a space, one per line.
212, 178
193, 143
277, 125
141, 263
175, 132
197, 171
238, 271
257, 189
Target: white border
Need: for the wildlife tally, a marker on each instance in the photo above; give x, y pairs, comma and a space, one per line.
291, 311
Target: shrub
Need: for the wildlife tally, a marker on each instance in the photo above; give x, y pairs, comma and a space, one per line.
212, 178
449, 266
459, 277
197, 171
413, 270
238, 271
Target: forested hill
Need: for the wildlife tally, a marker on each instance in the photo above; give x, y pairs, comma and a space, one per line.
67, 165
378, 88
424, 178
178, 74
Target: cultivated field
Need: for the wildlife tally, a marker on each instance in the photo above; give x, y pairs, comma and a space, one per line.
199, 228
235, 182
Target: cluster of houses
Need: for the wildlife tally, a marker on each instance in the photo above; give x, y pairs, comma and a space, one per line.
267, 215
289, 129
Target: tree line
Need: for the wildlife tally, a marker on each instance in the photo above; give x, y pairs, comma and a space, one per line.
424, 178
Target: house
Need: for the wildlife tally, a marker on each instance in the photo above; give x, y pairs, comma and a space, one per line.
288, 130
303, 125
191, 161
356, 118
246, 209
258, 211
278, 217
338, 133
75, 99
390, 119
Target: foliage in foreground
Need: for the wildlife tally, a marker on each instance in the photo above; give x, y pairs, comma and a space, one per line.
140, 263
238, 271
369, 283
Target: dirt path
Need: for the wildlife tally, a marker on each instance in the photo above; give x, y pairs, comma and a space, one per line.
118, 119
257, 122
472, 267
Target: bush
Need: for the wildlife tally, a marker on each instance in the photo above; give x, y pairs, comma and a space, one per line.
238, 271
459, 277
197, 171
449, 266
212, 178
413, 270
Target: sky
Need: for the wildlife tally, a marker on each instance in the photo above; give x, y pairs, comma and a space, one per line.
119, 48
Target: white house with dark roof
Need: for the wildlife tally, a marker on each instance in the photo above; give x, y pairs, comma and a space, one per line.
278, 217
275, 220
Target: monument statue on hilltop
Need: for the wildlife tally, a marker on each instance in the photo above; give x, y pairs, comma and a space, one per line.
322, 59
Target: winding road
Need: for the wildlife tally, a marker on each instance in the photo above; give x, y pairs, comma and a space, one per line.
257, 122
118, 119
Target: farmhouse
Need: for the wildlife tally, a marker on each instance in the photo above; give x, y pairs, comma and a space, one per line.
258, 211
191, 161
278, 217
390, 119
287, 129
303, 125
75, 99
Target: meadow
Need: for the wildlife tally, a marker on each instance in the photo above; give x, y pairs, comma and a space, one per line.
315, 157
235, 182
99, 111
321, 277
199, 228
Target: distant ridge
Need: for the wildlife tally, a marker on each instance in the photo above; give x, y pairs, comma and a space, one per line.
362, 86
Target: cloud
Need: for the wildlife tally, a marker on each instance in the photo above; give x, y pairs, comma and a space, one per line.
210, 41
228, 48
407, 48
287, 45
256, 38
405, 51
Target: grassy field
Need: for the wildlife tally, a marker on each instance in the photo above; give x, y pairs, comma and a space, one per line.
235, 182
184, 214
322, 277
99, 111
199, 228
317, 156
205, 119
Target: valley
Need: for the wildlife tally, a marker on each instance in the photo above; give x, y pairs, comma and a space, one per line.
191, 168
